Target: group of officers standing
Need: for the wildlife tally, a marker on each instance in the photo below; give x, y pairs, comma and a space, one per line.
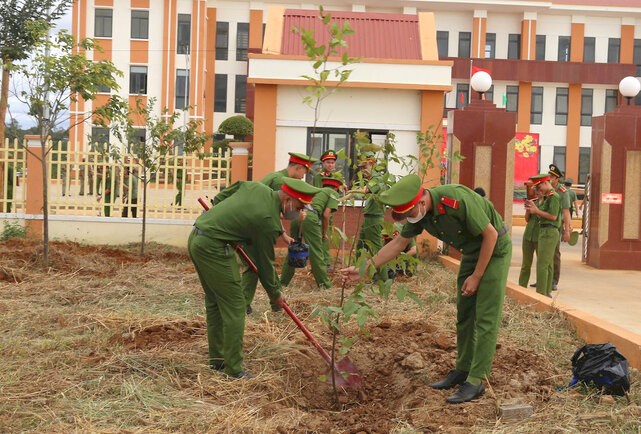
247, 215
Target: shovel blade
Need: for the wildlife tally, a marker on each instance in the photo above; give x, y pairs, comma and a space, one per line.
347, 375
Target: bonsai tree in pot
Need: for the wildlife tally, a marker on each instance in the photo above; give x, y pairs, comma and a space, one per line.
238, 126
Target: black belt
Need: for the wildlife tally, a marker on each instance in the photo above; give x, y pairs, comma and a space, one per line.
502, 231
547, 225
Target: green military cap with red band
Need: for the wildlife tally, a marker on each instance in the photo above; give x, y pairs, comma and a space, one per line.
404, 195
299, 189
302, 159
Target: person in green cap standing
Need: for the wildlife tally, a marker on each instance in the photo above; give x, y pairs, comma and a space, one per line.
297, 167
461, 218
314, 232
530, 238
370, 235
565, 228
549, 216
211, 247
327, 169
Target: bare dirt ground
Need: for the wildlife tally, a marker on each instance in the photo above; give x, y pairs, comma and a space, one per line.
106, 341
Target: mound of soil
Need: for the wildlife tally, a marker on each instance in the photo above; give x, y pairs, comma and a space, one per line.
160, 335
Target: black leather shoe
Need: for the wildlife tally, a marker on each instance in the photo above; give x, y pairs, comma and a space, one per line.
533, 285
218, 365
466, 392
249, 309
242, 375
454, 378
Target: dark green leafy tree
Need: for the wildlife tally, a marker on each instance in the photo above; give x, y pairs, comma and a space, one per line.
163, 132
57, 74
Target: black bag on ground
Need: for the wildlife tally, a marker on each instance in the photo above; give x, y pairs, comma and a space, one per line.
297, 254
603, 366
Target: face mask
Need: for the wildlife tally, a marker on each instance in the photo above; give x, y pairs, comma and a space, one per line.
292, 214
418, 217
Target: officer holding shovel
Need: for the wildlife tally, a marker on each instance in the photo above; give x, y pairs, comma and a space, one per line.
245, 213
463, 219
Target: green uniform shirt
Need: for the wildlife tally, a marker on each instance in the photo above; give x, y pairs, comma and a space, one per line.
564, 195
532, 227
248, 212
552, 205
325, 198
274, 180
572, 194
458, 217
372, 206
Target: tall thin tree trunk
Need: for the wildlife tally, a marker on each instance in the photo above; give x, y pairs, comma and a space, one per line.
45, 203
4, 97
144, 215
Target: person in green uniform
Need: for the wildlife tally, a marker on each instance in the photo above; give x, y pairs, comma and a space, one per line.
566, 227
574, 207
407, 268
313, 230
334, 182
530, 237
461, 218
327, 169
370, 235
549, 215
297, 167
246, 212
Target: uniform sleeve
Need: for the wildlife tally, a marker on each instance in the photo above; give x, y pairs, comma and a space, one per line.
332, 203
264, 247
476, 220
554, 206
565, 200
267, 180
224, 194
317, 180
410, 230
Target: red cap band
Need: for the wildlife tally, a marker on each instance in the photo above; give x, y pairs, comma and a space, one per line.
297, 160
540, 180
333, 182
304, 198
400, 209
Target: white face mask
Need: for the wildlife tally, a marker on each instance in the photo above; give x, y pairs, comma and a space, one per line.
291, 214
418, 217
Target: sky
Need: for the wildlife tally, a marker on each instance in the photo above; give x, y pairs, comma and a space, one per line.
17, 109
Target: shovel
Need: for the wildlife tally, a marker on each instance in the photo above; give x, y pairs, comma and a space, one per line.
344, 373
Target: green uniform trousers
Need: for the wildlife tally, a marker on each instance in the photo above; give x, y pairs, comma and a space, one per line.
548, 240
219, 274
478, 317
370, 238
557, 260
313, 237
529, 248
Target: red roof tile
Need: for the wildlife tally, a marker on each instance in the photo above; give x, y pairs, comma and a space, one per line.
376, 35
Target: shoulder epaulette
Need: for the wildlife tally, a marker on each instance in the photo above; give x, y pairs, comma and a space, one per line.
448, 201
550, 193
562, 189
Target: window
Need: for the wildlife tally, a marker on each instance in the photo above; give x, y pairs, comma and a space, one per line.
540, 47
183, 39
512, 99
464, 44
561, 112
559, 158
222, 40
564, 49
611, 96
220, 93
589, 45
614, 48
138, 80
489, 95
584, 164
139, 24
462, 95
182, 88
536, 109
100, 135
636, 56
241, 94
140, 135
242, 41
104, 89
442, 41
103, 24
514, 46
490, 45
586, 107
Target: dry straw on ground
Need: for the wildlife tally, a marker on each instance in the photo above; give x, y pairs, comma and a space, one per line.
104, 341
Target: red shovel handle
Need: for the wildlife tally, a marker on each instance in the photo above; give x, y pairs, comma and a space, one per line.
306, 332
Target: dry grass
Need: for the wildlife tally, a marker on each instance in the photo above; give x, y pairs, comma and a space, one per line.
106, 342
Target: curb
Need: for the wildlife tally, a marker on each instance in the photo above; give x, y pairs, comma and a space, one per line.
591, 329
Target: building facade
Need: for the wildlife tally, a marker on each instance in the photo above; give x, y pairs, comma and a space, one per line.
556, 63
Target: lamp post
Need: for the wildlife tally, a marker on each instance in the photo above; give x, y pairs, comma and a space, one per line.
481, 82
629, 87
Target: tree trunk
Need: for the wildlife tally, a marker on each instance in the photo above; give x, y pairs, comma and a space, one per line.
144, 215
4, 95
45, 203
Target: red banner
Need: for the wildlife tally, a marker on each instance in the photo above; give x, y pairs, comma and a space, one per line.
526, 157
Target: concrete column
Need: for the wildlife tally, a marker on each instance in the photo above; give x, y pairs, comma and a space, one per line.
239, 160
34, 194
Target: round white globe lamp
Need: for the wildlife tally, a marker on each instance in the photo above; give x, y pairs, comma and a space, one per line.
481, 82
629, 87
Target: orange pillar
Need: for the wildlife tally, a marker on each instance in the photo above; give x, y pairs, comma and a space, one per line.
265, 130
478, 35
34, 197
627, 44
573, 132
239, 160
525, 107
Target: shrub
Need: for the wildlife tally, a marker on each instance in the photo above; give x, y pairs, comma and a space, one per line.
12, 230
238, 126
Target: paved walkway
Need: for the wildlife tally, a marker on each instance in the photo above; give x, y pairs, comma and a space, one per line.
612, 295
